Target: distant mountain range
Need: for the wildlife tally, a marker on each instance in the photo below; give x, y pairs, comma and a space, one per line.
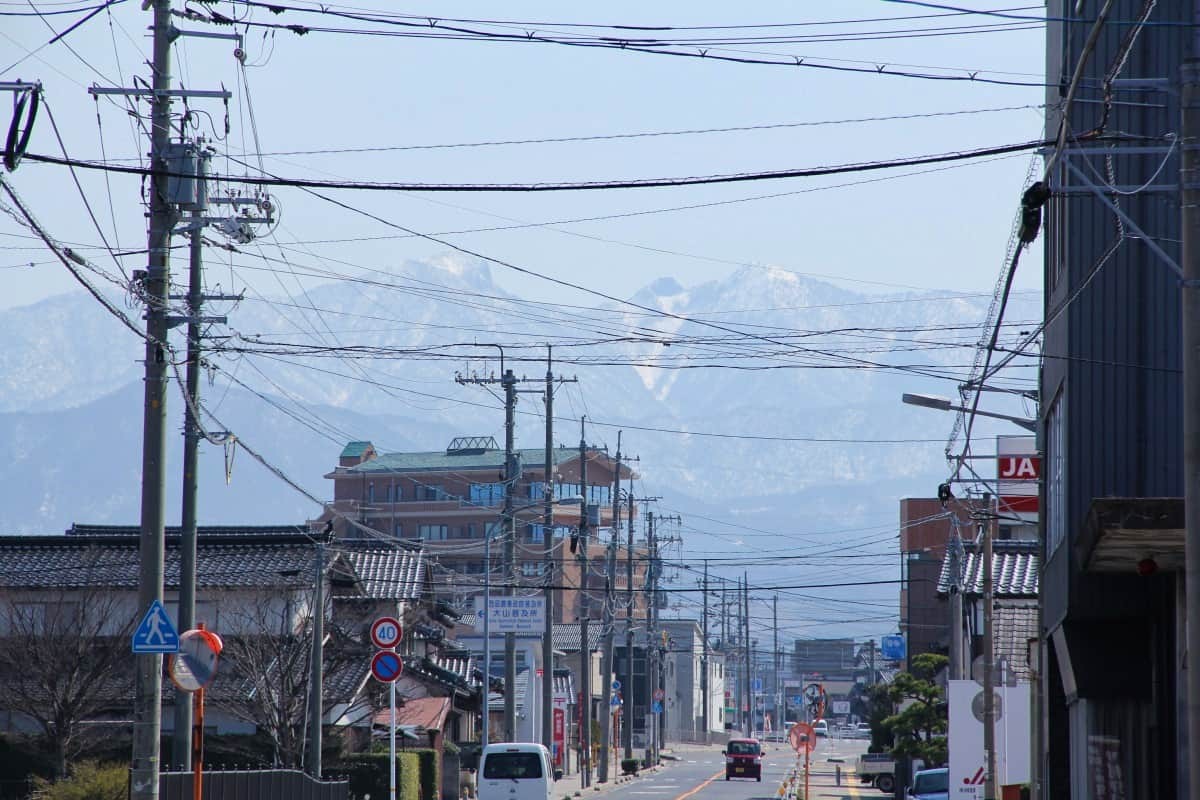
71, 400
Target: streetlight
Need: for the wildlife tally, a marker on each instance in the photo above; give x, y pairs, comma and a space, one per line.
944, 404
487, 622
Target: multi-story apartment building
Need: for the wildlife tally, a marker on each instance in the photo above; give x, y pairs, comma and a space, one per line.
449, 500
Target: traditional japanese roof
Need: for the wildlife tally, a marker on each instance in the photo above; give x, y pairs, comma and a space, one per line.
1014, 569
1014, 623
564, 683
385, 573
418, 713
112, 560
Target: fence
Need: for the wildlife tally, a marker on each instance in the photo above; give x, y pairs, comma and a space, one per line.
266, 784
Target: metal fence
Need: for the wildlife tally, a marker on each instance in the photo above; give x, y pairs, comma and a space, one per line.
265, 784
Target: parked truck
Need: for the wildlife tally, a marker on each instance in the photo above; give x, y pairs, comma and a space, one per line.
878, 770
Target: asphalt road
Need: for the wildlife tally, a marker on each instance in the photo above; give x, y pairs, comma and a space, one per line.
698, 773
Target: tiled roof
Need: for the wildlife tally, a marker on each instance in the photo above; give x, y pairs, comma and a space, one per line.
496, 699
1014, 569
77, 529
112, 560
385, 573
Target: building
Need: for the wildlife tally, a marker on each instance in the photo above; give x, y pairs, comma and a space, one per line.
1112, 691
823, 658
68, 602
449, 500
685, 662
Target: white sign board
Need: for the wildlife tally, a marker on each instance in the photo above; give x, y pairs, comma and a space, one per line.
513, 614
839, 708
1013, 734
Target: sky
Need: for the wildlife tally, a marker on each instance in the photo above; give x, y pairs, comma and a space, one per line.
448, 107
328, 105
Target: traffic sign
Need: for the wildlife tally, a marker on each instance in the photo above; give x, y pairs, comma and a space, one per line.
659, 694
156, 634
796, 700
616, 686
657, 707
756, 685
802, 737
195, 665
892, 647
386, 632
615, 701
386, 666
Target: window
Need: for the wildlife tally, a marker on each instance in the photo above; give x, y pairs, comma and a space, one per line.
601, 495
371, 492
487, 494
537, 533
430, 491
512, 766
399, 532
1056, 477
531, 569
433, 533
743, 748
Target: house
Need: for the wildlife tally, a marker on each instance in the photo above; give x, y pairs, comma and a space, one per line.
68, 606
1112, 701
686, 660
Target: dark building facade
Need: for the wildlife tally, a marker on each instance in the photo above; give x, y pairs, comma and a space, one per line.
1111, 684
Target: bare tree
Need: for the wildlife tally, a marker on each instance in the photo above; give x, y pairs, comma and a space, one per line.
64, 663
264, 674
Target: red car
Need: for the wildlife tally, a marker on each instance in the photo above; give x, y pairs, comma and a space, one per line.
743, 759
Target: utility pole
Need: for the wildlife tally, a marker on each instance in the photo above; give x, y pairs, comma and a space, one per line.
956, 602
989, 657
548, 561
627, 712
585, 652
509, 382
147, 713
316, 669
775, 658
651, 647
606, 650
1190, 312
871, 661
704, 659
749, 654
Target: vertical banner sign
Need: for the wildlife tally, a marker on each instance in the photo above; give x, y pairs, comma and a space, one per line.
560, 731
1013, 730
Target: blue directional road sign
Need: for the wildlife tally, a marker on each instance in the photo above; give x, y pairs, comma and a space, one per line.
756, 685
892, 647
156, 634
796, 700
657, 707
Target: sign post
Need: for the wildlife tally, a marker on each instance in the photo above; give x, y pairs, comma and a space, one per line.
386, 666
192, 667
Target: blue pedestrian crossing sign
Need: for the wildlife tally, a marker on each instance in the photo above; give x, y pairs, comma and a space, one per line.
657, 707
156, 634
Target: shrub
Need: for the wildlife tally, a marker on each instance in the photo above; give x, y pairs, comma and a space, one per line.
369, 774
89, 780
630, 766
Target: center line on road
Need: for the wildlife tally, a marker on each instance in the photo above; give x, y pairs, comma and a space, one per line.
693, 791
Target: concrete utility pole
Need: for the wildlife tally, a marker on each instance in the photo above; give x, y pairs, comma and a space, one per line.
509, 383
651, 646
147, 705
1189, 182
585, 652
775, 657
989, 656
606, 650
317, 666
627, 711
956, 603
551, 572
704, 690
749, 655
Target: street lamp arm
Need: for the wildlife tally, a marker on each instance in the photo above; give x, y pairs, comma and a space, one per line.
944, 404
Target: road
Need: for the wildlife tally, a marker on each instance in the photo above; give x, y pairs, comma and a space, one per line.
698, 773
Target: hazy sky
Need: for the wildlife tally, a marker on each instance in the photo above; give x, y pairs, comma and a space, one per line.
360, 100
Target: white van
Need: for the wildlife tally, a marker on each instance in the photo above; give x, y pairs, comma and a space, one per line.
515, 771
821, 727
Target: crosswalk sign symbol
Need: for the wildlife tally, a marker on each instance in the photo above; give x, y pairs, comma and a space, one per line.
156, 634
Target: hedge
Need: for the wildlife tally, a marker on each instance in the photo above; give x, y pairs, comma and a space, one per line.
369, 775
